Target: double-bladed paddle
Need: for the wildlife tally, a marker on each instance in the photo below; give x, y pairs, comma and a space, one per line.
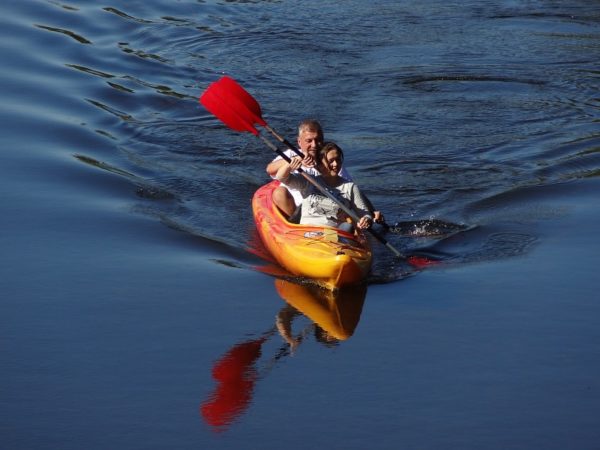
235, 107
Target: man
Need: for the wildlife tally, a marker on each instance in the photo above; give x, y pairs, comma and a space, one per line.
310, 139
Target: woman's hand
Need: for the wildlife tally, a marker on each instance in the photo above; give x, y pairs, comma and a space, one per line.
365, 222
284, 171
309, 160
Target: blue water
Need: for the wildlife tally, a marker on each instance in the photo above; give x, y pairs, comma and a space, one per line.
135, 312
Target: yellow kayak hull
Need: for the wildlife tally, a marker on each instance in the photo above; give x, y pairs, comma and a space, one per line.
331, 257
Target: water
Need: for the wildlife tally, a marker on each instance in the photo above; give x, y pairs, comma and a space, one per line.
134, 314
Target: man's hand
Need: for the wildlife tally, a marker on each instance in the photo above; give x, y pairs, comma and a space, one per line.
309, 161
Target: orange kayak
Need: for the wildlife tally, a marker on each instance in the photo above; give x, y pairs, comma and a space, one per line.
331, 257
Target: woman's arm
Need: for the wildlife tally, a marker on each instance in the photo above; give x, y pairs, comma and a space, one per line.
363, 207
377, 215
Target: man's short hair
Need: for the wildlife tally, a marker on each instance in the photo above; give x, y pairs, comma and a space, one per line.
310, 125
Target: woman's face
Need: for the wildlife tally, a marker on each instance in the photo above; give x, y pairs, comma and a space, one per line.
332, 162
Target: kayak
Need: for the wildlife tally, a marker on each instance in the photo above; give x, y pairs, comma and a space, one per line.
329, 256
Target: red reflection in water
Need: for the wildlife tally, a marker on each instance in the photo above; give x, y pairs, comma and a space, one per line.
420, 262
235, 375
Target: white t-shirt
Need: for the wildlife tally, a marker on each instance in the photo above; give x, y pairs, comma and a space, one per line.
296, 194
318, 209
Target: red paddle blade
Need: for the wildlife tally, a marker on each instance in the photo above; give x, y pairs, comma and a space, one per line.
231, 104
229, 87
223, 110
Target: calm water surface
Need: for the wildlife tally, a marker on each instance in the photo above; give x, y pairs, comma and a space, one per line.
136, 312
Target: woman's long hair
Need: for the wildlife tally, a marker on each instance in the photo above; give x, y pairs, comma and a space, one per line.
326, 148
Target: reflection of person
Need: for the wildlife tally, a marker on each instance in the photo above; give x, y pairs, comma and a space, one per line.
318, 209
283, 322
337, 314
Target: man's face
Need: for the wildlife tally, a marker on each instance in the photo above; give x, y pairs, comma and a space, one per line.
309, 142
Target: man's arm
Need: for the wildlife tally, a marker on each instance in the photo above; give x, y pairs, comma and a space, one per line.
275, 165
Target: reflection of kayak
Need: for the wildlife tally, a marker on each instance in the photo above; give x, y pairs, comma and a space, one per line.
336, 313
330, 256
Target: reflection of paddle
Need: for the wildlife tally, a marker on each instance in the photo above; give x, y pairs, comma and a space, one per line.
237, 109
235, 375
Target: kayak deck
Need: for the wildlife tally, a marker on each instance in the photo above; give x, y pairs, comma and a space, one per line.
329, 256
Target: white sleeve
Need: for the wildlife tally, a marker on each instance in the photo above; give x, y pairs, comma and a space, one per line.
359, 201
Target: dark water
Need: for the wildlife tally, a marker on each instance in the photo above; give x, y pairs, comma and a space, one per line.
133, 313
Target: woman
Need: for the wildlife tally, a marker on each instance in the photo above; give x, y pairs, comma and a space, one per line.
318, 209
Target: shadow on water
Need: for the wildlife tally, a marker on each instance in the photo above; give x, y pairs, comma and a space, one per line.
332, 319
